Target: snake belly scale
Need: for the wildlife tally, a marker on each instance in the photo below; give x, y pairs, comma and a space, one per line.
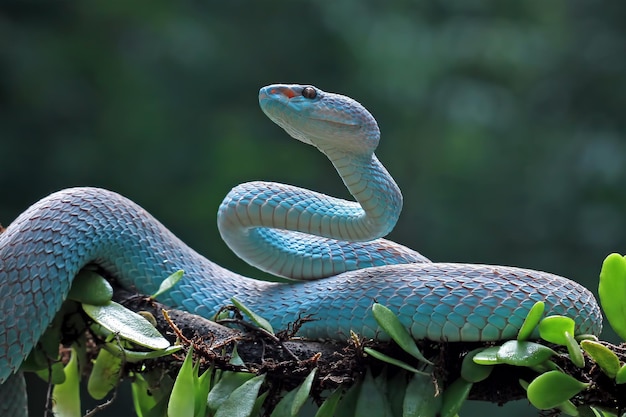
336, 246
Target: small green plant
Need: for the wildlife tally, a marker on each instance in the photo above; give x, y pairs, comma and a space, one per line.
416, 390
552, 388
612, 292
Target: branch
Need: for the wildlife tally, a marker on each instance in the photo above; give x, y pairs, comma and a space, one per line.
287, 360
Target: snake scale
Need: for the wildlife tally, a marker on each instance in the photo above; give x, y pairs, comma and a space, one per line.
334, 246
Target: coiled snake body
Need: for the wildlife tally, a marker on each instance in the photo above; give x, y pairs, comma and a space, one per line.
284, 230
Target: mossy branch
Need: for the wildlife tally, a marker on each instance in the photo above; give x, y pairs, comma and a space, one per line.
343, 363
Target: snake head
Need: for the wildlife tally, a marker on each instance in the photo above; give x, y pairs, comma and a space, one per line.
327, 121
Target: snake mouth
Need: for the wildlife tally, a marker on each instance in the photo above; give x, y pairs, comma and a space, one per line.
286, 91
270, 98
277, 92
337, 123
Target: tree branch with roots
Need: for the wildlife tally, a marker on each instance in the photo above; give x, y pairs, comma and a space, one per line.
576, 376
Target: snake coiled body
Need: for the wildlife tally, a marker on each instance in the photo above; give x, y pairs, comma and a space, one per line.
347, 265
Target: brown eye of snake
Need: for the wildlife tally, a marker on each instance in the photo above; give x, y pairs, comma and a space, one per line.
309, 92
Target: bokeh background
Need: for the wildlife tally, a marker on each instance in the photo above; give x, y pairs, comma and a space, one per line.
502, 122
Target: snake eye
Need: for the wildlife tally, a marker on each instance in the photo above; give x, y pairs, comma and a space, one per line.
309, 92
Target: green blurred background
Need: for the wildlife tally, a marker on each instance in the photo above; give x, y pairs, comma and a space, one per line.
502, 122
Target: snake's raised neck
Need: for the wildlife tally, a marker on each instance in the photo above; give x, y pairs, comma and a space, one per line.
286, 230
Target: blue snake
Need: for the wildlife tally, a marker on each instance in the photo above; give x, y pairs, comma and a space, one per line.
334, 247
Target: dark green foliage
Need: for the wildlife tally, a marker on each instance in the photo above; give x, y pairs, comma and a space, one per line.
503, 124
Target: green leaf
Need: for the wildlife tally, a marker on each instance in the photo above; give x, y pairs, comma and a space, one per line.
258, 404
38, 360
454, 397
586, 336
159, 410
328, 407
553, 329
89, 287
371, 401
241, 401
143, 400
395, 388
148, 316
134, 356
574, 351
235, 359
66, 396
182, 400
390, 323
531, 321
284, 406
523, 384
488, 356
292, 402
588, 411
46, 351
603, 356
302, 393
620, 378
168, 283
568, 407
128, 324
256, 319
104, 375
393, 361
55, 373
514, 352
348, 402
202, 385
552, 388
473, 372
229, 382
420, 399
612, 292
